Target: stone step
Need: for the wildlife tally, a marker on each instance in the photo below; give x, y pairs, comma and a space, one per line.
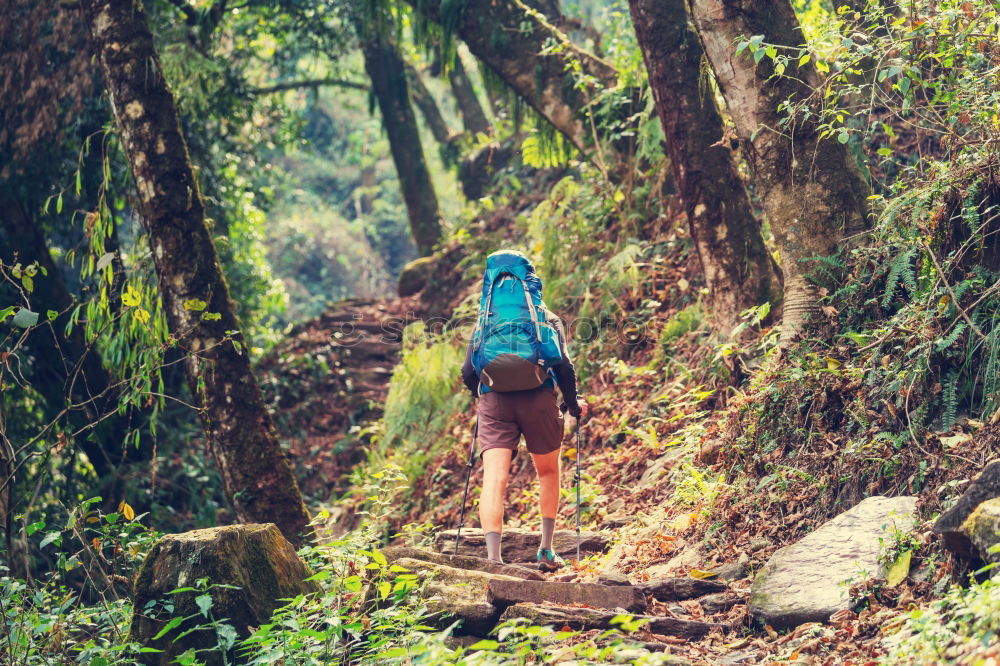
507, 592
467, 562
519, 545
681, 588
456, 594
583, 619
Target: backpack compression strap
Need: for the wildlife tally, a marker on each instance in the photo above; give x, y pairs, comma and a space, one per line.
485, 314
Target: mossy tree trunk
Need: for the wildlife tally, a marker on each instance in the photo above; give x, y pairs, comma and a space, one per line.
511, 41
473, 117
738, 268
811, 188
255, 473
388, 76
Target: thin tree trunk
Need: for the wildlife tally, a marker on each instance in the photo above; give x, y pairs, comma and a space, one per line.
386, 71
473, 117
811, 189
424, 101
255, 473
510, 41
738, 268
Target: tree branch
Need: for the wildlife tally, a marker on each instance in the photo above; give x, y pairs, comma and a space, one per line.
190, 13
308, 83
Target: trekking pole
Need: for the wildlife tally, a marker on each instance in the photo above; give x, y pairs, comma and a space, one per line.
578, 492
468, 475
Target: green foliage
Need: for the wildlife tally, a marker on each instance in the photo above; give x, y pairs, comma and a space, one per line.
959, 627
423, 397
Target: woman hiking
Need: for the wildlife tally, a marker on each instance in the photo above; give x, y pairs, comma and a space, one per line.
515, 359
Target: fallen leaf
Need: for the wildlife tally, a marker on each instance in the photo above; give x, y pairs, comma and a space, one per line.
899, 570
699, 574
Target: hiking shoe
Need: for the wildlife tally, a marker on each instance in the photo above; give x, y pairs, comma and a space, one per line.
549, 560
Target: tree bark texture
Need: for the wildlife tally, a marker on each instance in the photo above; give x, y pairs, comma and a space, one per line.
811, 189
388, 76
473, 117
738, 268
255, 474
424, 101
510, 41
65, 369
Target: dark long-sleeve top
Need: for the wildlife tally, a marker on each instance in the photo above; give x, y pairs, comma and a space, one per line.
564, 372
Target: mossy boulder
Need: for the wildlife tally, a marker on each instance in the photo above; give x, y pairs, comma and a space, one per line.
984, 487
982, 527
248, 570
414, 276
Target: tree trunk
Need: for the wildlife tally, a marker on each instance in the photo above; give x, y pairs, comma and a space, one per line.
66, 369
738, 268
473, 117
386, 71
424, 101
510, 42
255, 473
811, 189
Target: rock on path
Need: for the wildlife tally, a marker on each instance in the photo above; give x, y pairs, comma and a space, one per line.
457, 594
467, 562
507, 592
804, 582
590, 618
519, 545
681, 588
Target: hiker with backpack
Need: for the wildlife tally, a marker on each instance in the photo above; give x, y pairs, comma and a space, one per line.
515, 360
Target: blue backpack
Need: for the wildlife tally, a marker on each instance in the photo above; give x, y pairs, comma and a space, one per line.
516, 339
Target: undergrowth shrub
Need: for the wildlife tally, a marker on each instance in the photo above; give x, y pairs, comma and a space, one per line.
961, 627
424, 394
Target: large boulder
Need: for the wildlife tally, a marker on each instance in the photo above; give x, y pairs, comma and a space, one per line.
805, 582
415, 275
255, 560
519, 545
982, 527
984, 487
456, 594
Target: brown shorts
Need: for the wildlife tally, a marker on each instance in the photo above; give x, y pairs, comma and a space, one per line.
504, 417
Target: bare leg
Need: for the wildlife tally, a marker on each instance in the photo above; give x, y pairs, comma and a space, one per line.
547, 468
496, 469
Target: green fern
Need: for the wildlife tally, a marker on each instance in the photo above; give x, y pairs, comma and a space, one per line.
949, 340
949, 399
901, 269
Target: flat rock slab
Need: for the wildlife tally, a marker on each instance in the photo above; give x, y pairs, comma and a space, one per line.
984, 487
582, 619
468, 562
452, 594
681, 588
521, 545
506, 592
804, 582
